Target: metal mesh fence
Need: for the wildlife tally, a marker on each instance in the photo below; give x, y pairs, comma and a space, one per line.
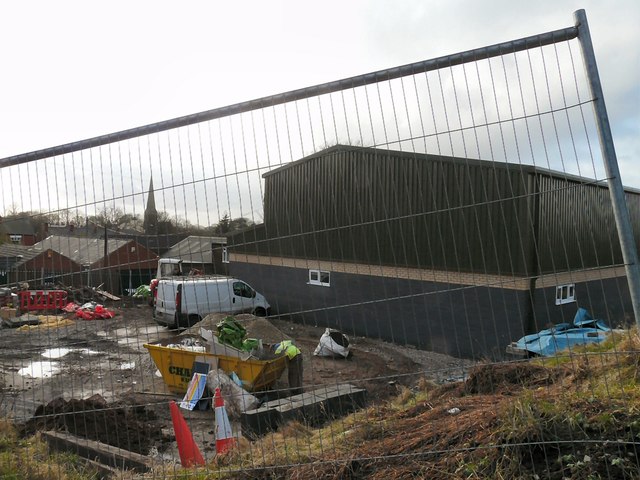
451, 217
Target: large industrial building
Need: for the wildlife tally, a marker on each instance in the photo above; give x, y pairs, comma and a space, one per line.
451, 254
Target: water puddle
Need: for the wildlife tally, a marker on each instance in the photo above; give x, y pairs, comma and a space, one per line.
136, 337
86, 351
39, 370
130, 341
54, 353
123, 333
152, 330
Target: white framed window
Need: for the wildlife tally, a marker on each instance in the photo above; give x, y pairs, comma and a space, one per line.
565, 294
15, 238
225, 255
319, 277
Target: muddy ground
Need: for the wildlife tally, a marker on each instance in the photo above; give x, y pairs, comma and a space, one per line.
96, 379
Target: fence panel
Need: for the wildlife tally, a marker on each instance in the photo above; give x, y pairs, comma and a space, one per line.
434, 213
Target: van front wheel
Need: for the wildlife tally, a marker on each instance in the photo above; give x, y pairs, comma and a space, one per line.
260, 312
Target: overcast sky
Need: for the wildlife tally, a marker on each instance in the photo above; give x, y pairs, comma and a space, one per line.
73, 70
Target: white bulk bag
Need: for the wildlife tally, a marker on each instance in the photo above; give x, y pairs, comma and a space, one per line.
333, 343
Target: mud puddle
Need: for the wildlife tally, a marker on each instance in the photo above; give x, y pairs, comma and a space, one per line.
40, 369
136, 337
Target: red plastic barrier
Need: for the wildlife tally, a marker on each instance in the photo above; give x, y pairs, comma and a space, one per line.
42, 300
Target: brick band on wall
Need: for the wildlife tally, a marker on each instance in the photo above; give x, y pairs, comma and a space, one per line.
439, 276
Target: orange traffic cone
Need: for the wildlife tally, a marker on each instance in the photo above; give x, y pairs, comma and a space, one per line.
224, 436
189, 452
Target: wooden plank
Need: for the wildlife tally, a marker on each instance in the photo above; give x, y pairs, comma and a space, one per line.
107, 295
26, 319
107, 454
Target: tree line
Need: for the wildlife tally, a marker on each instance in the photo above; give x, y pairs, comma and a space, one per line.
115, 219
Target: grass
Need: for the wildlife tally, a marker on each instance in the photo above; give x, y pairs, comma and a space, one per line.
584, 424
30, 459
575, 416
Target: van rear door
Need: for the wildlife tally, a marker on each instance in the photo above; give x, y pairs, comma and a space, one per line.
165, 308
166, 296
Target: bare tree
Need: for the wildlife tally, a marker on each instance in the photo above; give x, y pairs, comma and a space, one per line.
117, 219
228, 225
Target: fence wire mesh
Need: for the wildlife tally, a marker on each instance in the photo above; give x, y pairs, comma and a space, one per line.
434, 216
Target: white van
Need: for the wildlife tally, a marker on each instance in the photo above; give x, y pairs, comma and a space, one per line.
184, 301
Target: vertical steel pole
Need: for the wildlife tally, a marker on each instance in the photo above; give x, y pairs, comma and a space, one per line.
616, 190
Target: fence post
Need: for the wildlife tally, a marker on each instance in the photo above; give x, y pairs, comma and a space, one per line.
616, 189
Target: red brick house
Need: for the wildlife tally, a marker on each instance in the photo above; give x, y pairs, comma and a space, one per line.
75, 261
18, 231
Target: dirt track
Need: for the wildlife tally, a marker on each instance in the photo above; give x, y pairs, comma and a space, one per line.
107, 358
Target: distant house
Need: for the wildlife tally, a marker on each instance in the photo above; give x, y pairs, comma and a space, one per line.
10, 254
207, 254
86, 229
18, 231
36, 266
159, 243
120, 265
455, 255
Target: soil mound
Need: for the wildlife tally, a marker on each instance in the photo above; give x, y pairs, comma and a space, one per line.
263, 329
505, 377
256, 327
132, 428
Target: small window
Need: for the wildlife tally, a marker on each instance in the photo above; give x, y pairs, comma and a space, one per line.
242, 290
319, 277
17, 239
225, 255
170, 269
565, 294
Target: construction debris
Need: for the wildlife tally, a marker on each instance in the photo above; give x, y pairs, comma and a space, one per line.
24, 320
143, 291
107, 295
93, 311
313, 408
46, 321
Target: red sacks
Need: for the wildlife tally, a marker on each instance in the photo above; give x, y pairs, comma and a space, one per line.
94, 312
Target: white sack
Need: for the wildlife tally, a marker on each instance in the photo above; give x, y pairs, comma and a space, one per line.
328, 347
236, 399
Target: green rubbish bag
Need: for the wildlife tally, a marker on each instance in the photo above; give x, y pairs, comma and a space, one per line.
250, 344
230, 332
143, 291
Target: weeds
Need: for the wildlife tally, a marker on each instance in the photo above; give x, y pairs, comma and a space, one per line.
575, 416
30, 458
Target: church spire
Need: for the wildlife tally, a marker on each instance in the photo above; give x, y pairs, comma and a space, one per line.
151, 214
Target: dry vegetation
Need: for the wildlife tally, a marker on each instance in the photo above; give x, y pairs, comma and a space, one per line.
575, 416
30, 458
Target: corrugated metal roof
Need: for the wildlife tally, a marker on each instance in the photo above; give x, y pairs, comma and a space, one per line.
11, 254
84, 251
12, 250
195, 249
467, 162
